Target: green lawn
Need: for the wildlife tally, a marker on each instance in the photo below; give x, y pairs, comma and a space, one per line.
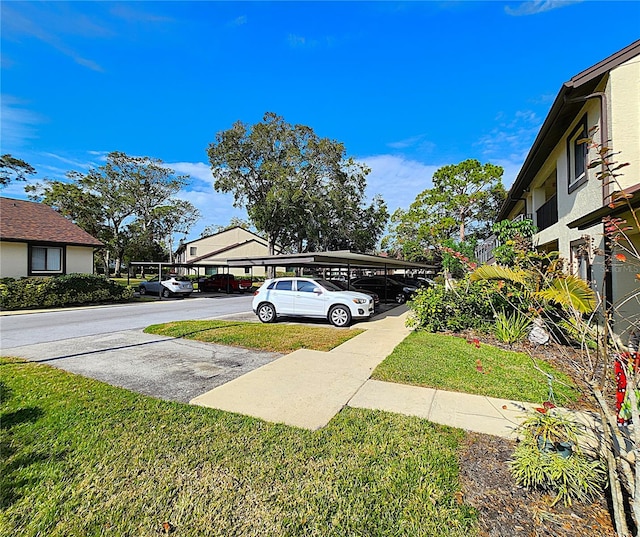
284, 338
81, 458
451, 363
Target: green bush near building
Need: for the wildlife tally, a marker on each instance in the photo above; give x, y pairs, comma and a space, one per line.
60, 291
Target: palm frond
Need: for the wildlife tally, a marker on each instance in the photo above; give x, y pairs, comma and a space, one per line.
570, 291
496, 272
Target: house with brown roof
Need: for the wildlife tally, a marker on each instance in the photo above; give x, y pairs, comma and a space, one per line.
562, 194
35, 240
214, 250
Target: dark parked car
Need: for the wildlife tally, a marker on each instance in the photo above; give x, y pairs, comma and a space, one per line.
385, 288
415, 282
348, 287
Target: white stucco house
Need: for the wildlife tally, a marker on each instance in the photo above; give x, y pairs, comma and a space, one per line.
562, 195
35, 240
214, 250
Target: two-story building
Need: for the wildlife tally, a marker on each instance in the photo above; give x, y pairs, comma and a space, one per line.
214, 250
562, 194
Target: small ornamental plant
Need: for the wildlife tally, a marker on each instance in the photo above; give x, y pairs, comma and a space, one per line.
549, 458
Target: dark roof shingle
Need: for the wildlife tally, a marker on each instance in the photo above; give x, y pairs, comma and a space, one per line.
29, 221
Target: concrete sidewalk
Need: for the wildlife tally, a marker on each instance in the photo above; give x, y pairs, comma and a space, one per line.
308, 388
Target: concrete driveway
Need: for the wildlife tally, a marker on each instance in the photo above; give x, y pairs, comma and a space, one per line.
162, 367
167, 368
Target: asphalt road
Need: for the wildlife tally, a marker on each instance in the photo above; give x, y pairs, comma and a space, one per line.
56, 325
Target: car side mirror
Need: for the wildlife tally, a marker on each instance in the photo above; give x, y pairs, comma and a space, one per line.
317, 291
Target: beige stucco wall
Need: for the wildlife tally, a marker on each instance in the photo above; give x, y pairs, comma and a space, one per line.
581, 201
79, 260
13, 259
220, 241
624, 112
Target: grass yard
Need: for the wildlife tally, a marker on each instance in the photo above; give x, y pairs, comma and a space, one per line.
451, 363
282, 338
82, 458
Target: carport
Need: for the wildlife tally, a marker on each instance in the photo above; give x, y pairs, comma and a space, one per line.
341, 259
160, 266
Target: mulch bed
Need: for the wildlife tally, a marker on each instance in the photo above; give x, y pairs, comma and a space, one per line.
508, 510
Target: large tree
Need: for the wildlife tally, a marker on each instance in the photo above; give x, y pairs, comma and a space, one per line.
127, 203
300, 190
463, 204
13, 169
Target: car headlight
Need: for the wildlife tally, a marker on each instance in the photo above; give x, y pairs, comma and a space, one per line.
360, 300
407, 289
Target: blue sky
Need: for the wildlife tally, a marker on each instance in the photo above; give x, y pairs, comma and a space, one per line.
407, 86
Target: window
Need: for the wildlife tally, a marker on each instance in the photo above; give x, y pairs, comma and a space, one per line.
577, 156
193, 250
284, 285
307, 287
46, 259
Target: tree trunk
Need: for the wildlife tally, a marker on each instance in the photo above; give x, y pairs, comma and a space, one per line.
271, 270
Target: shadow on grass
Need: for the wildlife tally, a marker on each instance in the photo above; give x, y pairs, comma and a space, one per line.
10, 466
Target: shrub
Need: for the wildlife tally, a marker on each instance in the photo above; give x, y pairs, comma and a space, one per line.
470, 306
511, 328
72, 289
550, 459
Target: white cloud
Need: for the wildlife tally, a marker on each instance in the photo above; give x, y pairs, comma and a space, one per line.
511, 139
418, 142
215, 208
238, 21
538, 6
197, 170
35, 19
398, 180
18, 125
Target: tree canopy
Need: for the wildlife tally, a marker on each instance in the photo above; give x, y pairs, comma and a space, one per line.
13, 169
462, 205
299, 189
127, 203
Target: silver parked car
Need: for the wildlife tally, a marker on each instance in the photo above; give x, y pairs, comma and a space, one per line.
307, 297
170, 285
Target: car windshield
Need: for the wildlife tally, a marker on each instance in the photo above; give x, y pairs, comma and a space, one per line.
329, 286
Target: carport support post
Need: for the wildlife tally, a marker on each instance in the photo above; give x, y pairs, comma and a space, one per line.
160, 281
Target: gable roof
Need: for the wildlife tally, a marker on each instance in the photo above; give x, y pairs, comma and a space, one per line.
563, 112
257, 238
220, 251
28, 221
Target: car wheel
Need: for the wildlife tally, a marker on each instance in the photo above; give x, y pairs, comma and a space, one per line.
166, 293
401, 298
266, 312
142, 290
340, 316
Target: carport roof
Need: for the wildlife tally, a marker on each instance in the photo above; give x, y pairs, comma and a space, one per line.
341, 258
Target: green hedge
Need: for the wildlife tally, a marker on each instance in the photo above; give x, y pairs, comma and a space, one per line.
472, 305
69, 290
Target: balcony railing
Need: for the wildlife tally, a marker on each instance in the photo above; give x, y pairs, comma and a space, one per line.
547, 214
484, 251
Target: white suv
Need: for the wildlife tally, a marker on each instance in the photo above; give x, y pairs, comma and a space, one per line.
306, 297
